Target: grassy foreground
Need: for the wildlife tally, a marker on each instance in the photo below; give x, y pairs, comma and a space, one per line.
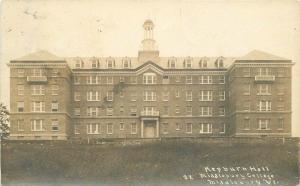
167, 163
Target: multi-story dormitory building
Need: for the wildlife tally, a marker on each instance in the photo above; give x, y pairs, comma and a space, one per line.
149, 96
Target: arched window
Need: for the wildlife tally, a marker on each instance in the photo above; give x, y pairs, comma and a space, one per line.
126, 63
187, 63
219, 62
172, 63
79, 63
203, 63
95, 63
110, 63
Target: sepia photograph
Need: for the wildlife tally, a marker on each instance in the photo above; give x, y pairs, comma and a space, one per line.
150, 93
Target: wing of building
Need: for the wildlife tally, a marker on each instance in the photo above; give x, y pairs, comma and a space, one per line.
149, 96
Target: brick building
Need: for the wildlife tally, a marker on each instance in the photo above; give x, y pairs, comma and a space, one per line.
149, 96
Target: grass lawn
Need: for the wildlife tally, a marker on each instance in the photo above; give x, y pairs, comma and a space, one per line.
158, 163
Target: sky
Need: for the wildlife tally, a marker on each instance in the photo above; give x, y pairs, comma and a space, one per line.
229, 28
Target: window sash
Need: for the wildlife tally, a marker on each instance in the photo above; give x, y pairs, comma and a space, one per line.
205, 128
37, 125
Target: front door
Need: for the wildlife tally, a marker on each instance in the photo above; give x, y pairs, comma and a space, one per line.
149, 129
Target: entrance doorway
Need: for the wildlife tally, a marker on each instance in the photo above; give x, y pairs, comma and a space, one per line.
150, 129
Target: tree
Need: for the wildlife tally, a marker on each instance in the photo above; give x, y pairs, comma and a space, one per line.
4, 128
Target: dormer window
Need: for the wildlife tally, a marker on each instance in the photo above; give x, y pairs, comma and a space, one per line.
126, 63
110, 63
187, 63
172, 63
79, 63
219, 62
95, 63
203, 63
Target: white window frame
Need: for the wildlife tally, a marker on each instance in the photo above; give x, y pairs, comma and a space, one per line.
188, 79
165, 127
76, 129
110, 96
189, 95
37, 72
95, 63
55, 123
21, 90
92, 111
76, 96
165, 96
133, 96
93, 128
223, 128
177, 126
109, 128
149, 78
264, 106
205, 128
221, 79
221, 111
77, 111
37, 125
20, 123
149, 96
187, 127
21, 72
263, 124
133, 128
205, 79
205, 111
54, 106
20, 106
264, 89
109, 111
189, 110
93, 96
93, 80
54, 90
205, 95
38, 106
222, 95
37, 90
122, 126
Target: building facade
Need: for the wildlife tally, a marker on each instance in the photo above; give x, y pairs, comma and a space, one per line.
149, 96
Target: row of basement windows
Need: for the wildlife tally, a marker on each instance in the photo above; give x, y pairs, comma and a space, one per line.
97, 128
149, 78
38, 125
263, 124
204, 111
203, 95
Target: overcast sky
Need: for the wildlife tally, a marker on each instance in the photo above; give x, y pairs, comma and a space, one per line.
114, 28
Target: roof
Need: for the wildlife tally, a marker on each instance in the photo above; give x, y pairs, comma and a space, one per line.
41, 55
257, 55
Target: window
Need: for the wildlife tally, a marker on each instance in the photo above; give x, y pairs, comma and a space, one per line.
203, 63
189, 95
205, 79
55, 72
76, 80
133, 111
38, 106
93, 79
109, 128
122, 79
222, 111
76, 96
165, 80
20, 90
76, 111
93, 111
38, 89
246, 72
187, 63
222, 128
189, 128
21, 72
54, 89
122, 126
246, 89
149, 78
126, 63
93, 96
133, 80
177, 109
177, 94
219, 62
281, 123
20, 123
221, 79
133, 128
264, 105
78, 64
263, 124
246, 106
95, 63
165, 96
54, 125
188, 80
264, 89
110, 96
165, 128
121, 110
177, 126
149, 96
54, 106
37, 125
93, 128
172, 63
205, 95
165, 110
177, 79
110, 80
37, 72
221, 95
110, 63
205, 111
247, 124
20, 106
205, 128
264, 71
188, 110
109, 111
76, 129
133, 96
